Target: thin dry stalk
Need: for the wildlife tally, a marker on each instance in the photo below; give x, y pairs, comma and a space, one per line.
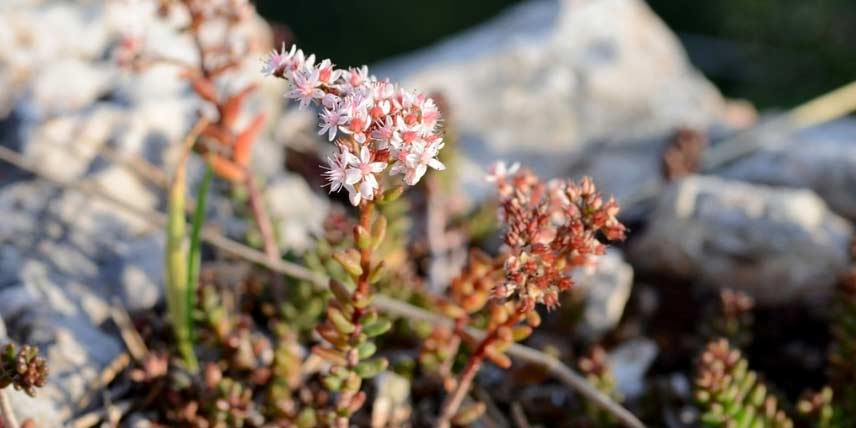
132, 338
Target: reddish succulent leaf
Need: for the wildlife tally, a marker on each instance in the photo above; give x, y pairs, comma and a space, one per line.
227, 169
232, 107
498, 358
217, 133
204, 88
244, 141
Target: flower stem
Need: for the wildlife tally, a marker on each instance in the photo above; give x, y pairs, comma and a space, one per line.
456, 398
363, 286
9, 419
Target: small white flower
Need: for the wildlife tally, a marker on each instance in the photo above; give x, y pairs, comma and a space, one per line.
306, 88
357, 123
499, 171
361, 174
336, 172
276, 62
430, 116
331, 101
421, 156
357, 76
330, 122
326, 73
384, 133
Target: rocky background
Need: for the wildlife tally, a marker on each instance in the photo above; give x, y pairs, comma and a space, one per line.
595, 87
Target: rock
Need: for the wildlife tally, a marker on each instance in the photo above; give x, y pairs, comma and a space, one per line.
41, 411
629, 362
26, 48
123, 185
138, 421
66, 145
153, 129
822, 158
97, 228
777, 245
52, 93
142, 273
391, 407
547, 78
59, 317
624, 171
58, 282
606, 288
297, 211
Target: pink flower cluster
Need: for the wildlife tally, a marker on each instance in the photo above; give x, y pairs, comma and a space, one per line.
377, 123
551, 228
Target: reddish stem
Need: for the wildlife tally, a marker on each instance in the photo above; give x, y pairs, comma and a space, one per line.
456, 398
363, 286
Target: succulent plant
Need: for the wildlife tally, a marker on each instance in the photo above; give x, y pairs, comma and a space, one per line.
730, 395
595, 367
23, 369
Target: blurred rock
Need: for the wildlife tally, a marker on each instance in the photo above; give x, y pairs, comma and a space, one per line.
391, 407
629, 363
59, 317
547, 78
142, 272
822, 158
623, 170
53, 93
68, 144
35, 34
137, 420
777, 245
297, 210
63, 252
606, 288
41, 411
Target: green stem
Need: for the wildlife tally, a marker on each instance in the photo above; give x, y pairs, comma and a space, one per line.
195, 257
176, 269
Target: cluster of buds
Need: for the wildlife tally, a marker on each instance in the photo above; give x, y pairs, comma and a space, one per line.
820, 408
551, 228
730, 394
24, 369
217, 402
595, 367
733, 318
379, 124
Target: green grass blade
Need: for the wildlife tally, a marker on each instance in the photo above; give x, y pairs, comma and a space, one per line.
195, 258
176, 270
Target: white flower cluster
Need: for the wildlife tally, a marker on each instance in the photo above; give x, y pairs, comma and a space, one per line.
378, 123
